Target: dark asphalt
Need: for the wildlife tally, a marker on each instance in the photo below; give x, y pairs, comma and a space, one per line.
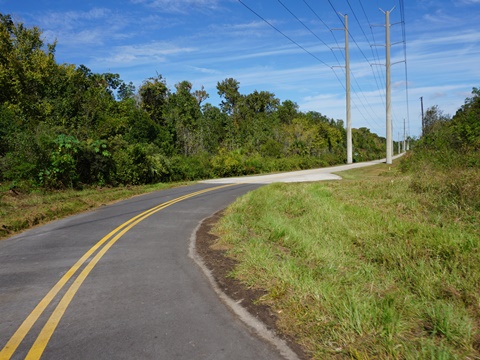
145, 299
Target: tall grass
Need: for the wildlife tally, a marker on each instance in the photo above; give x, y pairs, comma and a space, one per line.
362, 269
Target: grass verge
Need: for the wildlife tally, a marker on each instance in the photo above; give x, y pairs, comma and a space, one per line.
20, 210
361, 268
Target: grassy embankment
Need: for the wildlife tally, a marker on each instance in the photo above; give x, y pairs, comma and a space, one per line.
383, 265
21, 209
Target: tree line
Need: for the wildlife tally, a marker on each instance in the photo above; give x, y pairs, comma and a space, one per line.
64, 126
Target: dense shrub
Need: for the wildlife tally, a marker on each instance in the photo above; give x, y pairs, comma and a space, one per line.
189, 168
445, 163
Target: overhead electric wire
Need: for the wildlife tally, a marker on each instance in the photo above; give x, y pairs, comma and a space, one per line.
306, 27
353, 39
356, 95
349, 33
368, 41
343, 67
353, 76
284, 35
371, 30
358, 22
323, 42
323, 22
404, 38
376, 58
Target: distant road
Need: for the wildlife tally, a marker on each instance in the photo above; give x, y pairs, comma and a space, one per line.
117, 282
296, 176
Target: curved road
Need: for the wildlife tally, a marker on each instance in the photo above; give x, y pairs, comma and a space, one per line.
117, 283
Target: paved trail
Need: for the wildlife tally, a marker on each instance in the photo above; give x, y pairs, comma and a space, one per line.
118, 282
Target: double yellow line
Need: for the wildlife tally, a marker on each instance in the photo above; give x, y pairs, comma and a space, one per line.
107, 242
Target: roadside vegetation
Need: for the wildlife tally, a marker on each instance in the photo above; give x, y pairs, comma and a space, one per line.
63, 126
384, 264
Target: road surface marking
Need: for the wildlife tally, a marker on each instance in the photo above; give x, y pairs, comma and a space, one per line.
42, 340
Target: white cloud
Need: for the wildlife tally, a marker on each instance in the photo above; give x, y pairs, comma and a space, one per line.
440, 17
204, 70
74, 29
135, 55
179, 6
469, 2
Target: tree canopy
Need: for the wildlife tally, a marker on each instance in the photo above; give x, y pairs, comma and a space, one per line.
63, 125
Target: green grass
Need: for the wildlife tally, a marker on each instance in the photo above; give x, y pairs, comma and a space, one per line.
22, 209
361, 268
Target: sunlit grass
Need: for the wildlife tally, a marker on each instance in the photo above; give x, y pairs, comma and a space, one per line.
361, 268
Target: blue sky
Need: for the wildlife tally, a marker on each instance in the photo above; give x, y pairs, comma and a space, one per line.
288, 47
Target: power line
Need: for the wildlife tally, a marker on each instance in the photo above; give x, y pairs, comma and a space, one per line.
356, 43
377, 58
404, 39
286, 36
358, 22
323, 22
359, 103
305, 26
353, 75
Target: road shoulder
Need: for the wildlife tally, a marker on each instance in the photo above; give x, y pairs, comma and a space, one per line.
239, 298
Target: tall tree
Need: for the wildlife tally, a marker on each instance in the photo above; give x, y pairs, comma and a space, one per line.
184, 114
433, 118
228, 89
27, 67
287, 111
466, 122
154, 96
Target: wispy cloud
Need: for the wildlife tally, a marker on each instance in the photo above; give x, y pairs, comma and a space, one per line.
205, 70
135, 55
440, 17
179, 6
469, 2
78, 28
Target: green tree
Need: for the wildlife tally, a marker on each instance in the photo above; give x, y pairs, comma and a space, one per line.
466, 123
213, 128
228, 89
287, 111
434, 117
154, 95
27, 67
184, 114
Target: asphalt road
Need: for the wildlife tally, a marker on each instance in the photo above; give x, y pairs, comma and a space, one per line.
118, 282
320, 174
142, 298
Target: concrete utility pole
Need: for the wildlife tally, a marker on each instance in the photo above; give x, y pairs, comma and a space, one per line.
423, 119
347, 87
388, 89
347, 91
404, 137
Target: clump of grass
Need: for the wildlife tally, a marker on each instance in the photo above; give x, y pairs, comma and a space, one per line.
361, 269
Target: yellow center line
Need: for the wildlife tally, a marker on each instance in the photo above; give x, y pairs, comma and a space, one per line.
47, 331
